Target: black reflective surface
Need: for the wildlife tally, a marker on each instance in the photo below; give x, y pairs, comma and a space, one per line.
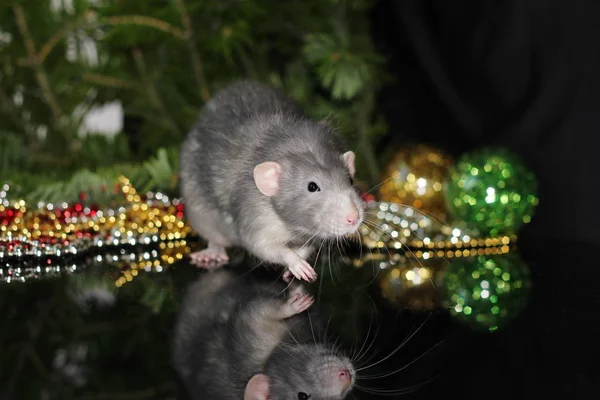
56, 343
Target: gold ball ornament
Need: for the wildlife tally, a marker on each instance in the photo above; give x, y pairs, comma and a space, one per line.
415, 177
413, 284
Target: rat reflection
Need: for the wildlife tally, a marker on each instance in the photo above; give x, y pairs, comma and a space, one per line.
244, 337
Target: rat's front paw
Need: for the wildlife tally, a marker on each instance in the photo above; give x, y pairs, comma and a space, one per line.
296, 304
302, 270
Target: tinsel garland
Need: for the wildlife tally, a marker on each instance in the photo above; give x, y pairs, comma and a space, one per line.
52, 239
490, 190
391, 226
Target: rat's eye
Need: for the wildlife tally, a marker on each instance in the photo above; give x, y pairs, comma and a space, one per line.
313, 187
351, 181
303, 396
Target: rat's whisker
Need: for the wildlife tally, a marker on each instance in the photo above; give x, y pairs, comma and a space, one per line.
359, 361
312, 329
386, 374
379, 184
374, 269
408, 248
329, 263
419, 211
254, 267
378, 228
375, 226
334, 241
356, 359
327, 326
397, 348
321, 280
401, 245
360, 246
337, 243
368, 360
394, 392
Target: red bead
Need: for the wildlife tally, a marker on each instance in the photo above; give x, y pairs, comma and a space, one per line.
368, 197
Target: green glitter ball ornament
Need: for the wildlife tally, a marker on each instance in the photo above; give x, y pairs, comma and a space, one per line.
492, 190
486, 292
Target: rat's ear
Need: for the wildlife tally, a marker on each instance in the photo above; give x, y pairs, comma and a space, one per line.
257, 388
349, 158
266, 177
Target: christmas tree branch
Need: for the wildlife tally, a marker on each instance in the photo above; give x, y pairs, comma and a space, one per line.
151, 89
196, 60
7, 105
250, 69
61, 34
368, 152
143, 20
106, 80
139, 20
40, 73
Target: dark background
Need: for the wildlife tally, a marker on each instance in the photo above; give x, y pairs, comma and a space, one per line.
523, 74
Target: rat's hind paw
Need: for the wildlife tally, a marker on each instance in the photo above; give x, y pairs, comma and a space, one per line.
302, 270
296, 304
210, 258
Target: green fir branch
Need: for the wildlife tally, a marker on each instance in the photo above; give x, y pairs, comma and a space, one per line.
88, 20
156, 174
194, 54
151, 91
365, 111
7, 107
40, 72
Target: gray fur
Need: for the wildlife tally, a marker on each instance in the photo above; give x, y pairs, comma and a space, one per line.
244, 125
227, 332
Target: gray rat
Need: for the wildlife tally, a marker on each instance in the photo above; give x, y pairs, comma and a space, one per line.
245, 339
257, 173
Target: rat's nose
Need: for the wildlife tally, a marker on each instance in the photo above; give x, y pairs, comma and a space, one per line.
344, 375
352, 216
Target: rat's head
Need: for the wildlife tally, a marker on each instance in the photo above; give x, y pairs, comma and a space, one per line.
313, 192
303, 372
